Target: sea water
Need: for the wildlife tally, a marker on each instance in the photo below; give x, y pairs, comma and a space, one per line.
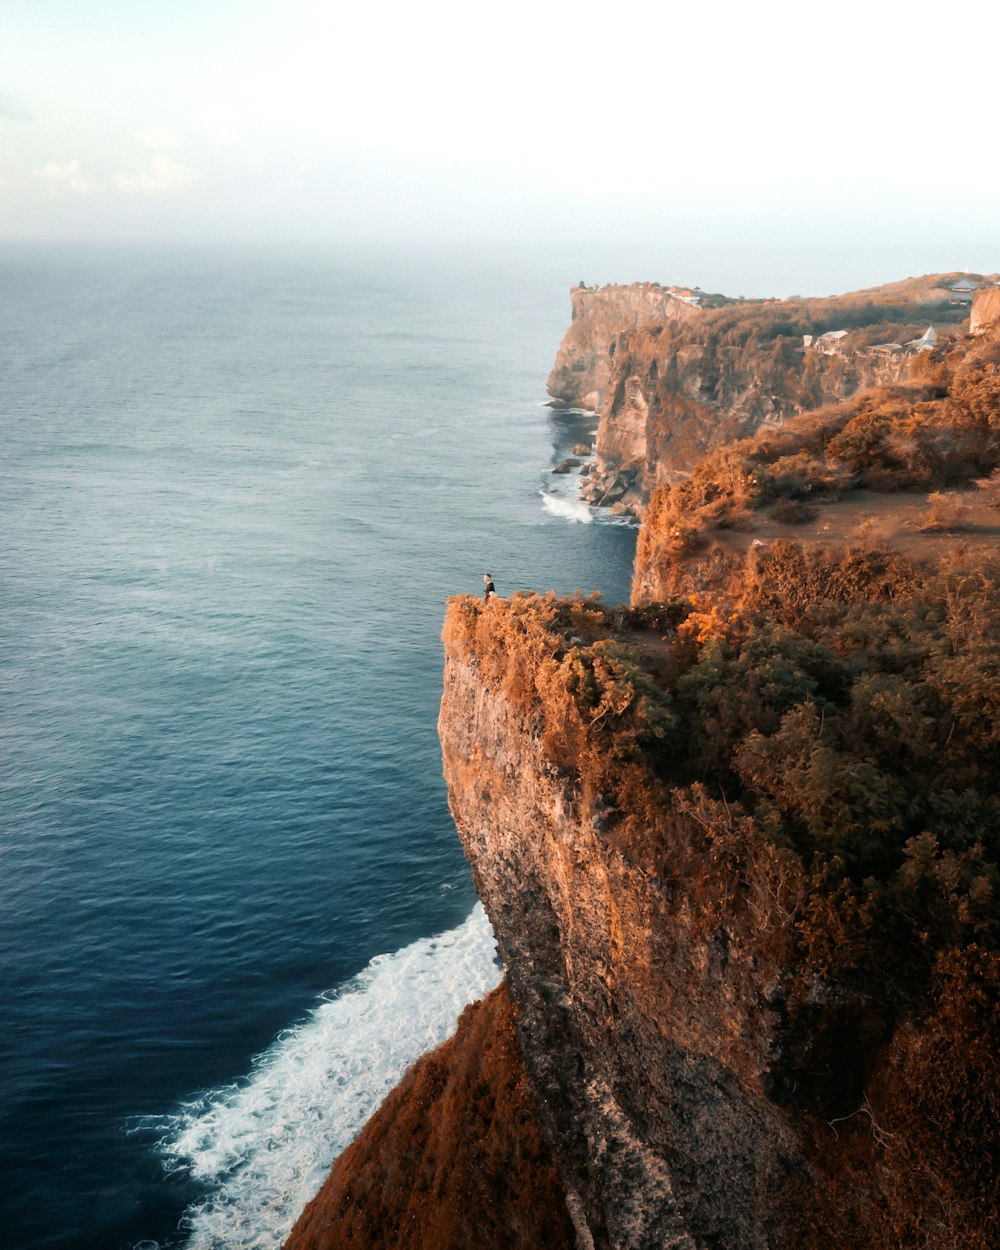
236, 491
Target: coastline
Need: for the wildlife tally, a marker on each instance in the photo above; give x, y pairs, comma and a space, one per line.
684, 975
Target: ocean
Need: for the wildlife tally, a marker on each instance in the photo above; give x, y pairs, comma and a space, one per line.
237, 488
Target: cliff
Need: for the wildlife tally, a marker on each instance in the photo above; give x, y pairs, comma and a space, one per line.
620, 1011
739, 845
451, 1159
599, 314
743, 1028
674, 381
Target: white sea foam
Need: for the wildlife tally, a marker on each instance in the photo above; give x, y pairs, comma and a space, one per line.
569, 509
263, 1147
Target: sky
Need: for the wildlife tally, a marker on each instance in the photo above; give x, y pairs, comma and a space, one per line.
788, 125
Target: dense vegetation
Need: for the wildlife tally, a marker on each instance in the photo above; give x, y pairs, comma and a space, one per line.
851, 708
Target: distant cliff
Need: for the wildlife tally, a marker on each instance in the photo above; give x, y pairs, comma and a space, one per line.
579, 376
672, 380
882, 459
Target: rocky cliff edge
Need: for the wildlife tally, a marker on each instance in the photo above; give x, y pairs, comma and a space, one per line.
735, 1037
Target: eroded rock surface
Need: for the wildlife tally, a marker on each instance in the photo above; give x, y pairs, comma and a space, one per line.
713, 1052
985, 310
580, 373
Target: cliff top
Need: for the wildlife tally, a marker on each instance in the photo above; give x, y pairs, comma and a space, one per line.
930, 287
651, 322
884, 666
841, 710
924, 289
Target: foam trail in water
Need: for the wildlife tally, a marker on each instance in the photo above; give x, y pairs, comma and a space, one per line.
264, 1147
570, 509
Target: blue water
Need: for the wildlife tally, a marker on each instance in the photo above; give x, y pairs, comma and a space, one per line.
236, 490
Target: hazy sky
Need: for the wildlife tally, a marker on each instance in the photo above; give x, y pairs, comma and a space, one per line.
293, 119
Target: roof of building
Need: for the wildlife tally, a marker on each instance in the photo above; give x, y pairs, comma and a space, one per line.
926, 341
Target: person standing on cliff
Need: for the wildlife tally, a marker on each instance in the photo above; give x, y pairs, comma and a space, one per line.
490, 590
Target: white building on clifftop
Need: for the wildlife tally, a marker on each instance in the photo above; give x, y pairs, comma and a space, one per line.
962, 291
926, 343
830, 343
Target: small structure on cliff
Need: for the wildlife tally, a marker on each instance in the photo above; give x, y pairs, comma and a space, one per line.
962, 291
926, 343
830, 343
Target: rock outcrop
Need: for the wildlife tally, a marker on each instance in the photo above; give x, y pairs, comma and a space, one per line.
452, 1158
985, 310
670, 401
647, 1034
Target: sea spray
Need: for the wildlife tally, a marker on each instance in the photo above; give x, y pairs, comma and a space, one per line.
262, 1147
568, 509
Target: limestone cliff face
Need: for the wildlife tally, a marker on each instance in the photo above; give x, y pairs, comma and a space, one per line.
702, 1084
985, 310
649, 1032
670, 400
580, 373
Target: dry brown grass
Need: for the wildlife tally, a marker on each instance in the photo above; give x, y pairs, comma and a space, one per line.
990, 489
946, 512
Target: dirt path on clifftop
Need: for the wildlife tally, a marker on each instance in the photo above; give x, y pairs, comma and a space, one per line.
892, 519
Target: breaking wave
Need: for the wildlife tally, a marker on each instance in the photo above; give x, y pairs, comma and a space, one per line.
568, 509
263, 1147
